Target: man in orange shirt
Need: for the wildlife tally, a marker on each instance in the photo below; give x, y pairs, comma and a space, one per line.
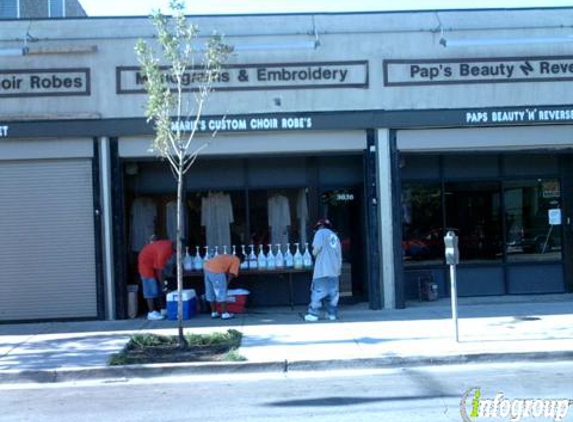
219, 271
151, 262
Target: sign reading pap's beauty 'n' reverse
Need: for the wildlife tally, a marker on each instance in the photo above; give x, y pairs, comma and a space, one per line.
347, 74
44, 82
477, 70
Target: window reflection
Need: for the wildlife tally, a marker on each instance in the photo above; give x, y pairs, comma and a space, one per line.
217, 219
422, 224
473, 212
278, 216
529, 234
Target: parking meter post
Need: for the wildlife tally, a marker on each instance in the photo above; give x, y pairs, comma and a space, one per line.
454, 294
452, 255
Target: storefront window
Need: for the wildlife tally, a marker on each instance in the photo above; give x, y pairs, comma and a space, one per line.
216, 219
235, 202
278, 216
532, 220
422, 233
473, 212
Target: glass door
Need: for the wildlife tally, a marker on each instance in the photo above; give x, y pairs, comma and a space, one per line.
473, 211
343, 207
533, 220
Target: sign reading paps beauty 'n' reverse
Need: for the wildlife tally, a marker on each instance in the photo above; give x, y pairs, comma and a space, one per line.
237, 77
44, 82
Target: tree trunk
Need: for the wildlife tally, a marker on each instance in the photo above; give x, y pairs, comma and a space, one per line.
182, 342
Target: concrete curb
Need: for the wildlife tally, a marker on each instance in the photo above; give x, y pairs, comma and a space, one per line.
398, 361
47, 376
135, 371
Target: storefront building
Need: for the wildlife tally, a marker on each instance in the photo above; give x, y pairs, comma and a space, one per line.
396, 126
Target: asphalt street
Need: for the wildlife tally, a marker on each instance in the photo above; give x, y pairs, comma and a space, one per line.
429, 393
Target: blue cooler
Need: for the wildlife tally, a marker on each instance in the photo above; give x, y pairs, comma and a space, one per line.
189, 304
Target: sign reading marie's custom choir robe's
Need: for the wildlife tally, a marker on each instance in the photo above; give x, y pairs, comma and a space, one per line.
44, 82
312, 75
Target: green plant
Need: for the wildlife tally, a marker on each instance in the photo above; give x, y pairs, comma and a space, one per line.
230, 338
234, 356
119, 358
151, 340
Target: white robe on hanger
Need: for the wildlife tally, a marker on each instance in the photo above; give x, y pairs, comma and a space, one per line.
143, 214
279, 219
216, 217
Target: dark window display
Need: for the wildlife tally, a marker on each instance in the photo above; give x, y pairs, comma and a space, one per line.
217, 220
506, 210
422, 223
530, 164
496, 221
279, 216
420, 167
254, 202
464, 166
532, 220
473, 211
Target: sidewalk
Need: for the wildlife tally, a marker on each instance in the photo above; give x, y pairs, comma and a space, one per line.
276, 339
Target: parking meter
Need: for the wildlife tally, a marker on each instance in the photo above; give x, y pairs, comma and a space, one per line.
452, 259
452, 251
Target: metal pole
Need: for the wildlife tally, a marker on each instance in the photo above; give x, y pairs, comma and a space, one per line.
454, 295
105, 180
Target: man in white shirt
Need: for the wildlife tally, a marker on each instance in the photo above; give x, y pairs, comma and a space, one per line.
326, 277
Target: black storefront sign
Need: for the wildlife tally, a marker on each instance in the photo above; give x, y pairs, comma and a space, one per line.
277, 122
523, 115
246, 124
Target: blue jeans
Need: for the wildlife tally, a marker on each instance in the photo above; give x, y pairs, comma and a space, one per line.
151, 288
215, 287
324, 289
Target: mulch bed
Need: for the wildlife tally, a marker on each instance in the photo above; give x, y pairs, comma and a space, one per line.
165, 354
152, 348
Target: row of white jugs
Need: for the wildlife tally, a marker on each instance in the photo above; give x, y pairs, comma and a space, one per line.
262, 261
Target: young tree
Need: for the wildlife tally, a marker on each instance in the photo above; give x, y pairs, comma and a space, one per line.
171, 103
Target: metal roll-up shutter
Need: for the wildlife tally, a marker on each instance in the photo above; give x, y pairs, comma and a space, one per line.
47, 249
